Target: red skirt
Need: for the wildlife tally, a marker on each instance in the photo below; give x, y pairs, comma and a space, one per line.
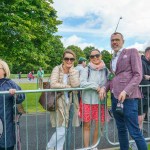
90, 112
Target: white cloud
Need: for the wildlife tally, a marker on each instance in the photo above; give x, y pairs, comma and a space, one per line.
78, 41
140, 46
135, 23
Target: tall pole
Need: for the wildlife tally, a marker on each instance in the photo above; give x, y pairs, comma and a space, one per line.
118, 24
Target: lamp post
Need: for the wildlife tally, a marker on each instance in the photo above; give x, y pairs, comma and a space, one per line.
118, 23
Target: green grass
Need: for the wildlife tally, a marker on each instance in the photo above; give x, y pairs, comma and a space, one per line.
14, 76
31, 104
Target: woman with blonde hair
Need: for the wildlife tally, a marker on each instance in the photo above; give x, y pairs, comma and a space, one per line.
64, 76
7, 135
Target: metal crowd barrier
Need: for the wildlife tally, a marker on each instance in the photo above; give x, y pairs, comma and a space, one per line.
111, 130
36, 129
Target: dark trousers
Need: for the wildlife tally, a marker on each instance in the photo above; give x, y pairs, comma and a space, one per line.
9, 148
128, 122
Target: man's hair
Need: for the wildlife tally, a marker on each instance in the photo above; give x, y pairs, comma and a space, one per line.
115, 33
147, 49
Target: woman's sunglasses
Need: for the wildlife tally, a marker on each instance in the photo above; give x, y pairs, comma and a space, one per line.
67, 59
93, 56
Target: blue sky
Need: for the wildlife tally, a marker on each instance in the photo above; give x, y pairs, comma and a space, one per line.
91, 22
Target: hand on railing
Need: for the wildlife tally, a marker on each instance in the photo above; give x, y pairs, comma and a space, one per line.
102, 93
147, 77
12, 91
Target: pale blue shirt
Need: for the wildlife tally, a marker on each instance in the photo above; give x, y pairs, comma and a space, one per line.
115, 59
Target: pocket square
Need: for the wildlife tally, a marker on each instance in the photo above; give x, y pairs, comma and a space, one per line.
125, 56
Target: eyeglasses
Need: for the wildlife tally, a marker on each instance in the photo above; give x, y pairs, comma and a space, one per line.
97, 56
67, 59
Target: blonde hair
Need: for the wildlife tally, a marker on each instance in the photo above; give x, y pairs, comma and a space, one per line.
5, 68
69, 51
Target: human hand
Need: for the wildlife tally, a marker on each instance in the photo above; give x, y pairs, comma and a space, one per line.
98, 89
122, 96
102, 93
68, 86
12, 91
147, 77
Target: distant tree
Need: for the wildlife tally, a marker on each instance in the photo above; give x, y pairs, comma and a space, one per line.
106, 56
27, 38
78, 52
87, 51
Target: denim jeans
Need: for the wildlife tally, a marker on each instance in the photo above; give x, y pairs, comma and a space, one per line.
128, 122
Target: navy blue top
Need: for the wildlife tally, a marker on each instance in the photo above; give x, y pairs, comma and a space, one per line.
6, 118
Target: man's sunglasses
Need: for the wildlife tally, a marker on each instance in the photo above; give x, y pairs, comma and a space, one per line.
67, 59
97, 56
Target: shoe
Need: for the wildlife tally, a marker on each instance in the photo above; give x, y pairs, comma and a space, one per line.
95, 148
133, 146
49, 148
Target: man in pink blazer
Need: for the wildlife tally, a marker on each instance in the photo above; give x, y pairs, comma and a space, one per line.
126, 74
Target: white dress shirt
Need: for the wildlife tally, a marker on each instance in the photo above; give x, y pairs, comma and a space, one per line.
115, 59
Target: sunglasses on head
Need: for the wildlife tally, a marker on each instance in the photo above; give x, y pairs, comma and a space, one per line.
67, 59
97, 56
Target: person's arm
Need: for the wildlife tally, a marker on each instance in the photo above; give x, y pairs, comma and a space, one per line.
74, 77
136, 66
19, 97
55, 79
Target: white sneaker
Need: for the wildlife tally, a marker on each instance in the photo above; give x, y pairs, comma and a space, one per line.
133, 146
50, 148
95, 148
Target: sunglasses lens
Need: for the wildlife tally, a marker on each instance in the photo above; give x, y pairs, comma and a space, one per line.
67, 59
72, 59
97, 56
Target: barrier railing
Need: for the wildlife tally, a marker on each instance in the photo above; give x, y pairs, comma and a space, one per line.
112, 136
36, 129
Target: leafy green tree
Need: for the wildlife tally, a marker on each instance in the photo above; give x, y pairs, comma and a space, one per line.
27, 39
87, 51
77, 50
106, 56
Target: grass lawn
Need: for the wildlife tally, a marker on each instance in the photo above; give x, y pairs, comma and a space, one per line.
31, 103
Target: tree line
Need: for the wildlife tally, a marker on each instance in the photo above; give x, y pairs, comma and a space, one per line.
28, 36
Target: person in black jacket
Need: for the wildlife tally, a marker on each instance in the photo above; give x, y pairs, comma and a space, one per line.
7, 101
143, 104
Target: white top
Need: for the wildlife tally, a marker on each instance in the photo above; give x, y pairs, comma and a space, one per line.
65, 81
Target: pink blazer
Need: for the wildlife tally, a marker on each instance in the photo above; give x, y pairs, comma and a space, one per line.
128, 74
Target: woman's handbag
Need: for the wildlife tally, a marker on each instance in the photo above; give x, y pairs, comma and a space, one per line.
49, 99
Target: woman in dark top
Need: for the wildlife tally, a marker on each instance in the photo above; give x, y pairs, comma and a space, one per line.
7, 125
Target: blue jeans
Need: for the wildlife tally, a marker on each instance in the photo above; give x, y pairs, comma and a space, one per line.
128, 122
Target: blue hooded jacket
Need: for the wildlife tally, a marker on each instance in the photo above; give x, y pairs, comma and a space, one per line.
6, 112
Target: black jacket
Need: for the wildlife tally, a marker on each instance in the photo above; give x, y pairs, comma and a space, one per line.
146, 71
